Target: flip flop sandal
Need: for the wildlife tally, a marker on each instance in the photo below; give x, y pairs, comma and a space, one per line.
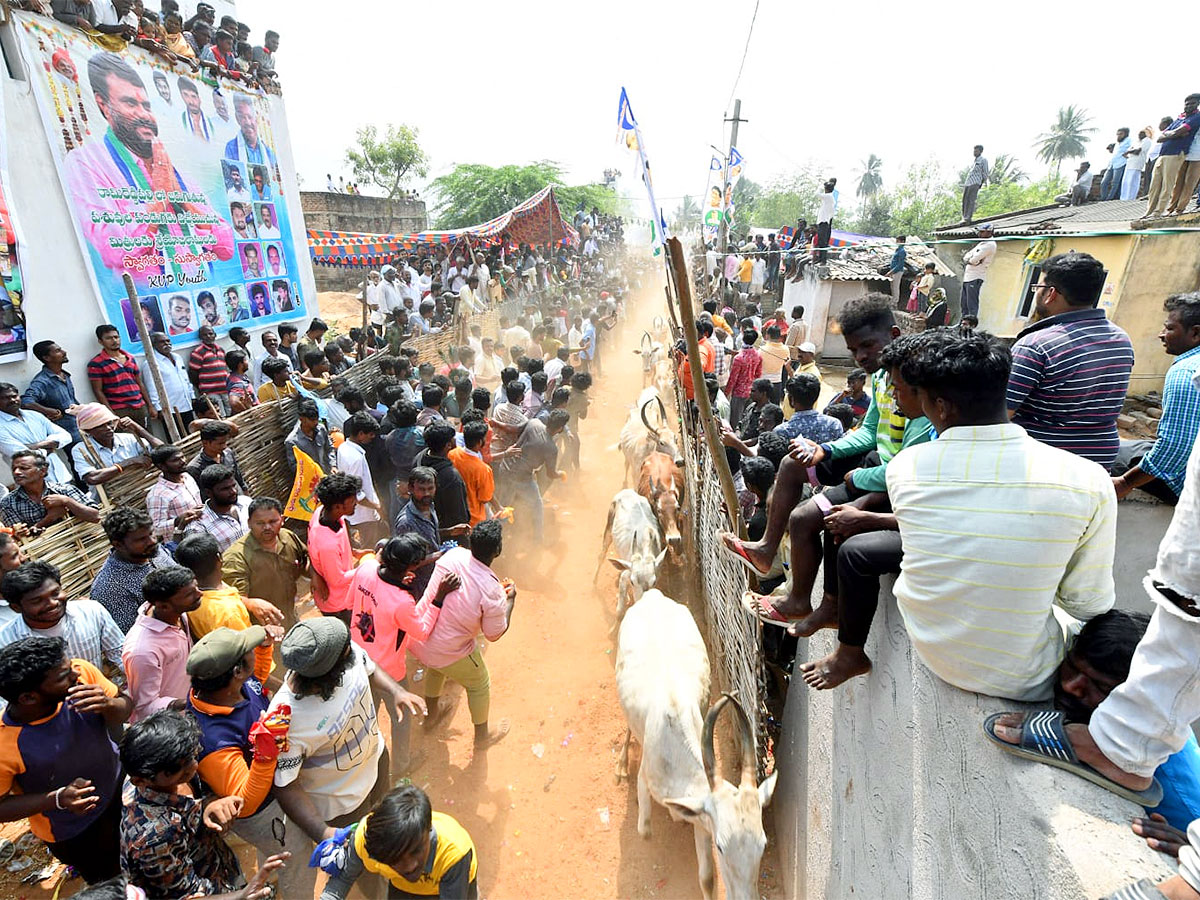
1143, 890
764, 611
1044, 739
738, 552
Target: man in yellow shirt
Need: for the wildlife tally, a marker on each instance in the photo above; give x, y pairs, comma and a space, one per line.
745, 273
806, 354
280, 385
220, 604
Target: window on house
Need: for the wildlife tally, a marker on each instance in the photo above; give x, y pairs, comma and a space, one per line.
1033, 275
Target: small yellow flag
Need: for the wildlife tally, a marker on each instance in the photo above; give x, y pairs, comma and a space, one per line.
302, 502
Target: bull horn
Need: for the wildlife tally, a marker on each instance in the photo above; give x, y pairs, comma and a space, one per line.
662, 411
650, 428
708, 754
749, 760
646, 337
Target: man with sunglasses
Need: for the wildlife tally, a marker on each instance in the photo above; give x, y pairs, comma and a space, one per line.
1070, 368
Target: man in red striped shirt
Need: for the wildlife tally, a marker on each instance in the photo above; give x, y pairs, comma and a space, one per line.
207, 369
116, 380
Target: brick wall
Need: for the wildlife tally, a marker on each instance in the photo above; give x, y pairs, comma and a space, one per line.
324, 211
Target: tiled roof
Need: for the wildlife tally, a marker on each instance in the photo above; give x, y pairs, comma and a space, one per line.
862, 262
1104, 216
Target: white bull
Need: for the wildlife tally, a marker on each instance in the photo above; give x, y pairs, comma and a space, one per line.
637, 541
651, 353
662, 682
639, 438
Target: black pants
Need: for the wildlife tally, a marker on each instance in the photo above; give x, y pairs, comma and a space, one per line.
95, 853
861, 559
824, 229
833, 472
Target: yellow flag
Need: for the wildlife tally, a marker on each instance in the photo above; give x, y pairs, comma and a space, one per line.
302, 502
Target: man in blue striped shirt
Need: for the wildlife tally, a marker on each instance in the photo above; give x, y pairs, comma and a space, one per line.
1070, 369
1159, 467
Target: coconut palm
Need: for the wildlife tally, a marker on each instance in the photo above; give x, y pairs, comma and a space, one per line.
1067, 138
871, 180
1006, 170
687, 214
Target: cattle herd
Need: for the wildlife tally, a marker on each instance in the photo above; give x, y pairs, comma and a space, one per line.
662, 668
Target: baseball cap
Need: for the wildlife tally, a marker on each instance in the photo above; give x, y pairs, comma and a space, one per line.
807, 347
222, 649
314, 646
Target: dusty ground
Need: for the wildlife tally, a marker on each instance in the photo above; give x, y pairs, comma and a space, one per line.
547, 816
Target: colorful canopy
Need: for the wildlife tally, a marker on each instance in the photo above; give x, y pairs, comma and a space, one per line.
536, 221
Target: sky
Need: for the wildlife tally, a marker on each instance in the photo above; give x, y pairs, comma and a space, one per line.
495, 83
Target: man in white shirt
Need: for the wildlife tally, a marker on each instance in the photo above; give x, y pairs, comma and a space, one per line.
457, 274
270, 342
829, 200
482, 272
389, 292
1135, 164
24, 429
997, 528
468, 297
488, 365
977, 261
174, 375
361, 428
1082, 189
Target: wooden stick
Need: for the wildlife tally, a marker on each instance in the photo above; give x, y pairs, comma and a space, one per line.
135, 308
706, 419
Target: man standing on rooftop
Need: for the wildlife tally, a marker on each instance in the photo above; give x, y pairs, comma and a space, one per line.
976, 178
1070, 369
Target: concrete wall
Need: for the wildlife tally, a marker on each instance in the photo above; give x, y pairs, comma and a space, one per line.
324, 211
888, 790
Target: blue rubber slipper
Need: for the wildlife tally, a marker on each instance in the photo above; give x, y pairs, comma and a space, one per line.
1044, 740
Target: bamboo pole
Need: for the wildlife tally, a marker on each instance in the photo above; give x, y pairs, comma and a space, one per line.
135, 307
706, 419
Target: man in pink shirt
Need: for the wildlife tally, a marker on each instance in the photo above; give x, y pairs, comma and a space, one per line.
158, 643
333, 559
384, 618
119, 172
481, 605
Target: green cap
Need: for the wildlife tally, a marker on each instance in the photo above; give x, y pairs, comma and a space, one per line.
220, 650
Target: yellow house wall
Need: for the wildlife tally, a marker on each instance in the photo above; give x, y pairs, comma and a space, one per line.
1159, 266
1142, 272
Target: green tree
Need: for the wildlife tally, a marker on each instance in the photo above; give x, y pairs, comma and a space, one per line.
998, 199
746, 194
473, 193
871, 180
924, 200
1006, 170
787, 198
388, 160
1066, 139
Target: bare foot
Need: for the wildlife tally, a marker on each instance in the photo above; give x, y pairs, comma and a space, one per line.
439, 717
825, 616
839, 666
756, 553
493, 736
1008, 728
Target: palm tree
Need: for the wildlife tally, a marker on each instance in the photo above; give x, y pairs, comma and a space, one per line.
1006, 170
1067, 138
871, 180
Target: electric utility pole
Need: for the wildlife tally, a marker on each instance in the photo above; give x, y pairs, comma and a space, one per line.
724, 233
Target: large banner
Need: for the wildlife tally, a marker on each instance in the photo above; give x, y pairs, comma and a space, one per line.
13, 340
170, 179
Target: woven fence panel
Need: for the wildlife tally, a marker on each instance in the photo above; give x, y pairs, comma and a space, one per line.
734, 641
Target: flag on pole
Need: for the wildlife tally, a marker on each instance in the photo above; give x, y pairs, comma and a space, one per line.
715, 164
630, 134
302, 502
735, 165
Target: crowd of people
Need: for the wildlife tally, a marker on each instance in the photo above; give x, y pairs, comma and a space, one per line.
197, 694
986, 478
201, 42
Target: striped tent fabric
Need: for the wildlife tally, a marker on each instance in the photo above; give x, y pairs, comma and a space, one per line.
532, 221
836, 238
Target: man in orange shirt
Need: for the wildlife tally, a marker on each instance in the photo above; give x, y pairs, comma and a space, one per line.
708, 357
476, 474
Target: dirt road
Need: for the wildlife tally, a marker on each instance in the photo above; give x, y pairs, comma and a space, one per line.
547, 815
